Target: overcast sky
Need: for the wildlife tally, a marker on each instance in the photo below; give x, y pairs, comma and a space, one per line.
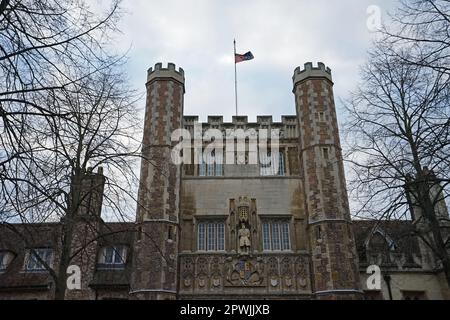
198, 36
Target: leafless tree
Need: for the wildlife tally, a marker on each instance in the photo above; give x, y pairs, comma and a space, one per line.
424, 27
45, 46
48, 182
398, 132
65, 109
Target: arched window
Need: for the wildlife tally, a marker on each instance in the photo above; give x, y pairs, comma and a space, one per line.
380, 245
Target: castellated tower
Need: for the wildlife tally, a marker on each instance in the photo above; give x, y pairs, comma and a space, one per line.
155, 253
85, 228
333, 252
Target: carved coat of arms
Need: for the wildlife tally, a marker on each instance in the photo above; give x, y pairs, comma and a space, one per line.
243, 273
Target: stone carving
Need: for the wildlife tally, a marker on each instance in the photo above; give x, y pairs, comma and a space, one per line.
287, 272
302, 272
216, 281
288, 281
273, 282
187, 266
215, 273
187, 272
244, 272
286, 266
201, 282
215, 266
187, 282
243, 214
244, 239
202, 266
244, 202
273, 266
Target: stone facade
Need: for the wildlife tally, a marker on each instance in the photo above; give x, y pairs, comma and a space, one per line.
218, 231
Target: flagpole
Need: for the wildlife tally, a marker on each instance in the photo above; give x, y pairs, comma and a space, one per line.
235, 78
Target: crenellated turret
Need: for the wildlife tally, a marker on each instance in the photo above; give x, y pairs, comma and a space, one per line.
309, 72
155, 254
334, 260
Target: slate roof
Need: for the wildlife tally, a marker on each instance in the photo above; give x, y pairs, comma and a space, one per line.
18, 238
401, 242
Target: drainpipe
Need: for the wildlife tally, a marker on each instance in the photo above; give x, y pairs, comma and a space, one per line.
387, 279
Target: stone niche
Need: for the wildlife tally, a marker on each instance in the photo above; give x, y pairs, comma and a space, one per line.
243, 225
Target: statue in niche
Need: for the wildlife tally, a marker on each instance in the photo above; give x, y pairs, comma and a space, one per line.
244, 239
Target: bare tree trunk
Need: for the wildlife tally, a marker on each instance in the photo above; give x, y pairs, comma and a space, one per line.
430, 216
427, 205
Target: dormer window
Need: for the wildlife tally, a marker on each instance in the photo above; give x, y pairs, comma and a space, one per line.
112, 257
5, 259
37, 259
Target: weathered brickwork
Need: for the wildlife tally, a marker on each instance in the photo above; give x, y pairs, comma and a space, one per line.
155, 258
333, 250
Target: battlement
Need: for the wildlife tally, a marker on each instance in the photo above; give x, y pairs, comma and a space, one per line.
309, 71
287, 126
240, 120
170, 72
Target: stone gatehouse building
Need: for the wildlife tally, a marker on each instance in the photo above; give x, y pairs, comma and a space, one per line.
238, 231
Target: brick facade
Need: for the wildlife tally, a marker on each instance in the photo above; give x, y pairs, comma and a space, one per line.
333, 250
318, 251
155, 260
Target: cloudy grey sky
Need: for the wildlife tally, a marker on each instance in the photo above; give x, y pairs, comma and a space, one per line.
198, 36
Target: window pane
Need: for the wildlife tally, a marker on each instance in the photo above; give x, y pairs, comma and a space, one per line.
210, 170
276, 236
274, 161
286, 243
220, 236
281, 164
266, 236
34, 263
265, 163
202, 170
201, 237
219, 170
109, 252
211, 236
201, 166
119, 255
31, 262
48, 256
210, 164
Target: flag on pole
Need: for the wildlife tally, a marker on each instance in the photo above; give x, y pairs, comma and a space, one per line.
243, 57
239, 58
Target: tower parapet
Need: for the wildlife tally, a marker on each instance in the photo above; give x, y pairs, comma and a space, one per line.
309, 71
159, 72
